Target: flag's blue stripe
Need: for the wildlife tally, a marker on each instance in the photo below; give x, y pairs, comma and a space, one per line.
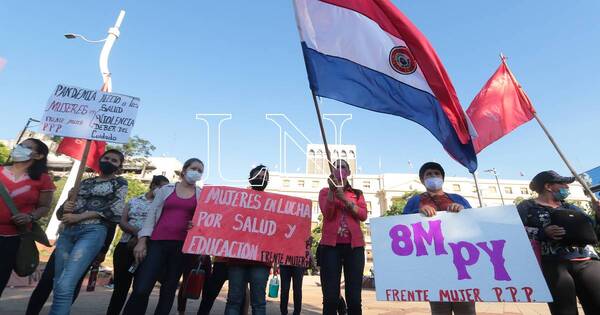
354, 84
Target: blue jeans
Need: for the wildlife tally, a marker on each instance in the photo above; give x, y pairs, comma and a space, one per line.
76, 248
239, 277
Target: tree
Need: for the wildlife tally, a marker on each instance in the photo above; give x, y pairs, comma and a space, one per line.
136, 146
4, 153
135, 187
398, 205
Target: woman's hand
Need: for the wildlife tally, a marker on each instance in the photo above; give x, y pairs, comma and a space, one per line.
69, 207
139, 251
71, 218
21, 218
455, 207
554, 232
428, 211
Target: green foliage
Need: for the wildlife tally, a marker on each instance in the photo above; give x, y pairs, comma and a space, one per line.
59, 182
136, 146
518, 200
398, 205
135, 187
316, 234
4, 153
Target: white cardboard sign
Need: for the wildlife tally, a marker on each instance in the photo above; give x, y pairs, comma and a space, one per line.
477, 255
89, 114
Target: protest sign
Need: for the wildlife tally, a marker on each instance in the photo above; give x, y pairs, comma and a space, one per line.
89, 114
476, 255
249, 224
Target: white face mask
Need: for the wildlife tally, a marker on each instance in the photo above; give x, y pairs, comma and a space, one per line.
21, 154
434, 183
192, 176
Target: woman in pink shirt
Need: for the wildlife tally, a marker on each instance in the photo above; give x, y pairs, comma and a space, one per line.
342, 241
160, 241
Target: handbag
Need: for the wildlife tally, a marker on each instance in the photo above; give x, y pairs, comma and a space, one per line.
28, 256
579, 230
194, 283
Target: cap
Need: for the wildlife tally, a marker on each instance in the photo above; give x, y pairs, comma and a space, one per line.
546, 177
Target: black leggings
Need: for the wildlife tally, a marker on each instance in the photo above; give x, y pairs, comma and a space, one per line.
289, 274
569, 280
332, 259
8, 246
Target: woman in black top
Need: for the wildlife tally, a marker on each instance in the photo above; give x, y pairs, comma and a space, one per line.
570, 271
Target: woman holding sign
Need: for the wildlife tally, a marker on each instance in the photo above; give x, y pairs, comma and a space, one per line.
342, 242
158, 250
31, 189
429, 203
566, 235
99, 204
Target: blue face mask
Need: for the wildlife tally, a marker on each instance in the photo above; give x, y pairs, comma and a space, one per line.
561, 194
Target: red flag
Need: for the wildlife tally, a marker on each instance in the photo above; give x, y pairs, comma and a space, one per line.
499, 108
74, 148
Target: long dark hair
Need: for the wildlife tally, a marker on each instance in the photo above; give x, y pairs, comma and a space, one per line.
40, 166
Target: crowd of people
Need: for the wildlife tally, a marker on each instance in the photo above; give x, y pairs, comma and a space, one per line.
155, 225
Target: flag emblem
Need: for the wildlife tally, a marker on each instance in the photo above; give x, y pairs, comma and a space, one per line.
402, 60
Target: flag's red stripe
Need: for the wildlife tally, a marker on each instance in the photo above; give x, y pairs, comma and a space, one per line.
391, 20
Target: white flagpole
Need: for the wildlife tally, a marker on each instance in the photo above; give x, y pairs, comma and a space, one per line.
78, 167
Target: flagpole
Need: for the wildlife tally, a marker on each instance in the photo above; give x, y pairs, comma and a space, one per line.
80, 166
556, 147
478, 190
320, 119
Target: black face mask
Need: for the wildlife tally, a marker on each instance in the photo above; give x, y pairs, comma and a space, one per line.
259, 183
107, 168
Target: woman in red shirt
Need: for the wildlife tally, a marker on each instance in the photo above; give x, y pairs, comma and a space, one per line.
342, 241
31, 189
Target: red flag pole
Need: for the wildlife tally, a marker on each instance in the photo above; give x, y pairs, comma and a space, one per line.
556, 147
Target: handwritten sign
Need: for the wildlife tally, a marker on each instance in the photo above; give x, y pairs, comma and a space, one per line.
476, 255
248, 224
89, 114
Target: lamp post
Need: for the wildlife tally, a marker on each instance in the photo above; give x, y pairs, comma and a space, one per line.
495, 173
79, 165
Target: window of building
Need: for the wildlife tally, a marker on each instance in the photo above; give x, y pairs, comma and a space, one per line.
315, 206
508, 190
524, 191
456, 187
301, 183
315, 184
474, 189
493, 189
286, 183
367, 184
369, 210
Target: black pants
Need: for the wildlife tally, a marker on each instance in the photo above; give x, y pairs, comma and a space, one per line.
569, 280
122, 261
332, 259
42, 290
212, 287
162, 256
289, 274
8, 247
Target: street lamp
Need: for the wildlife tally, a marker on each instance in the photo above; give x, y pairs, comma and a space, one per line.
73, 36
495, 173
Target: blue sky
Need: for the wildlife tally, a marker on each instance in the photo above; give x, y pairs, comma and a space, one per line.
243, 57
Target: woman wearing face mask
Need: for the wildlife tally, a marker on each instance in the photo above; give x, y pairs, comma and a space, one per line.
131, 222
99, 204
31, 189
342, 242
160, 241
434, 199
571, 271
